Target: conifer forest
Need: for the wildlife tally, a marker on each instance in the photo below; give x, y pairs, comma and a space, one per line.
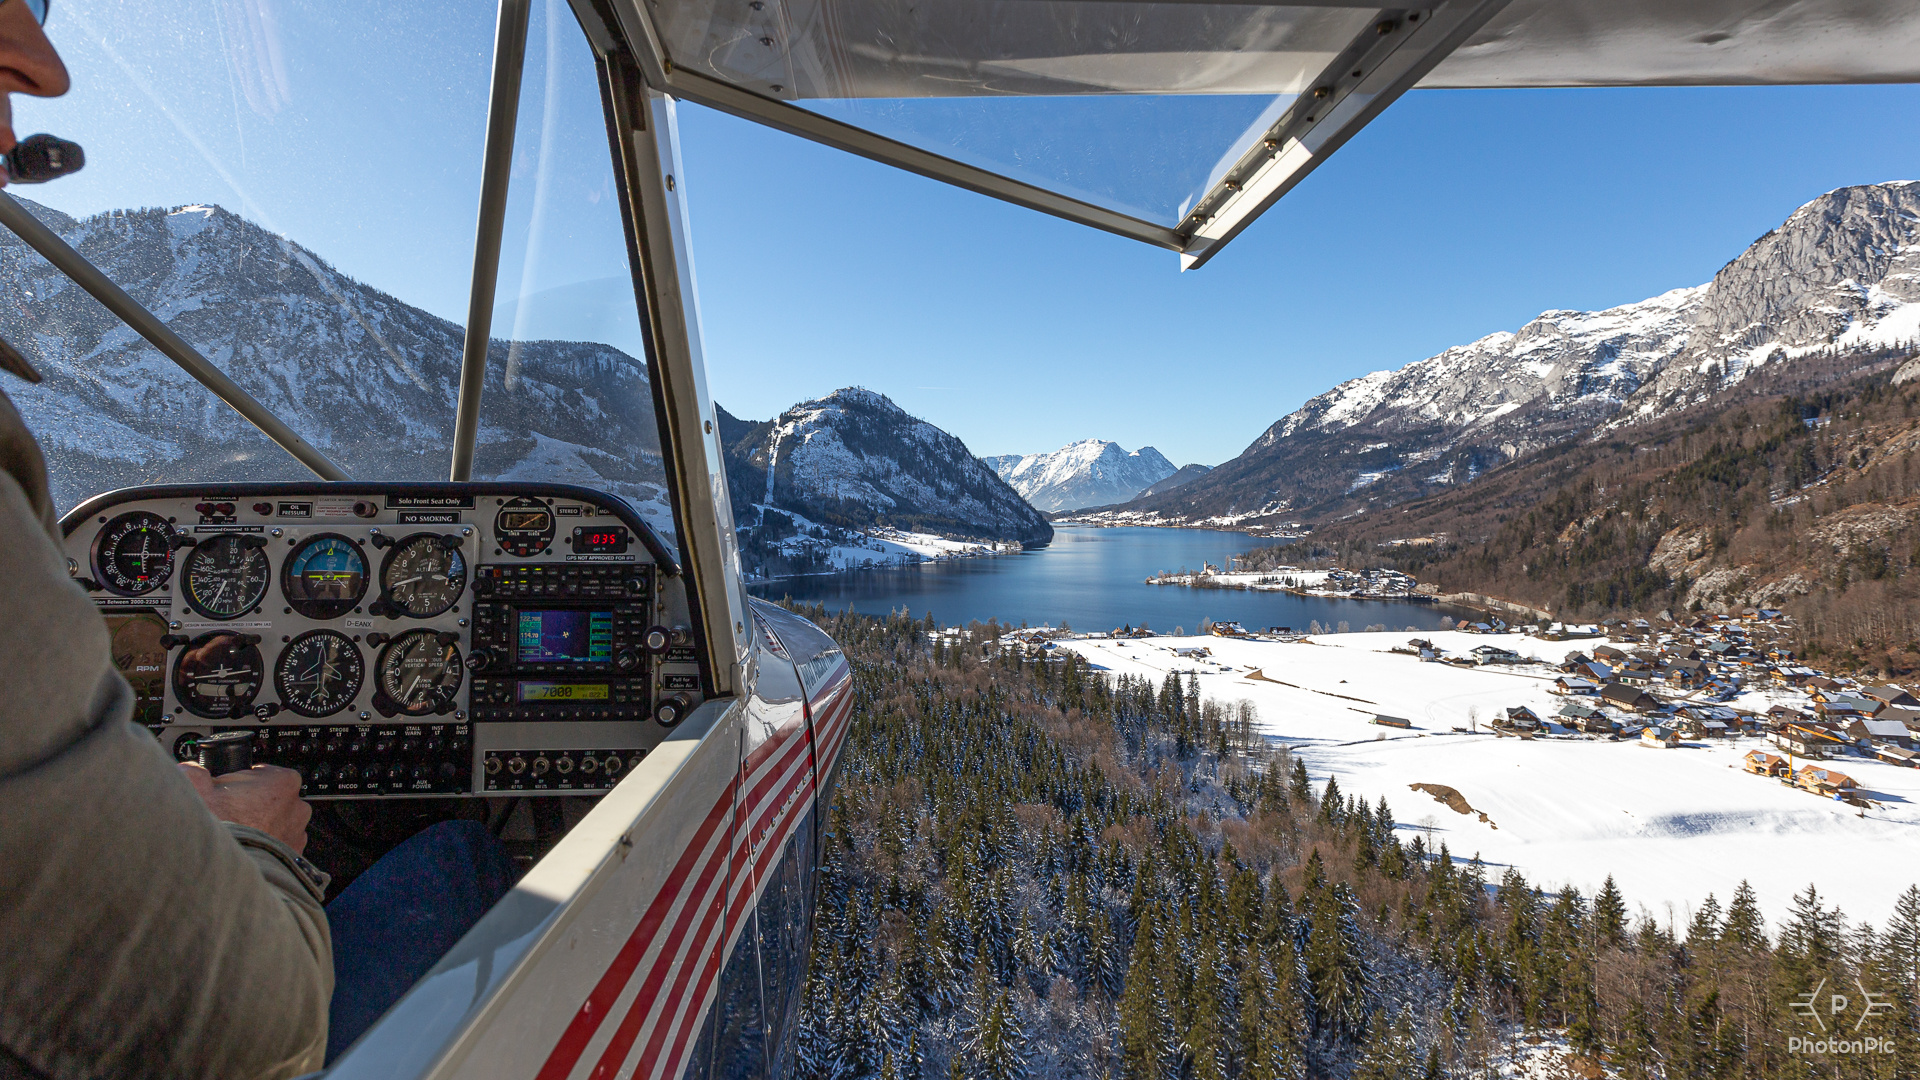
1035, 870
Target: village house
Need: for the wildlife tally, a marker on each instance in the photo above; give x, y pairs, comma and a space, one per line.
1574, 684
1521, 718
1629, 697
1761, 763
1806, 741
1594, 671
1573, 660
1685, 674
1659, 735
1494, 654
1707, 721
1786, 714
1583, 717
1869, 732
1908, 717
1393, 721
1823, 781
1890, 695
1844, 708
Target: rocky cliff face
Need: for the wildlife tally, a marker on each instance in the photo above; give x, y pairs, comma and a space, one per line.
365, 377
1842, 273
1091, 472
854, 459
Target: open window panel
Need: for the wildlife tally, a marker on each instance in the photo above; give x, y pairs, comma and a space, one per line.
1178, 123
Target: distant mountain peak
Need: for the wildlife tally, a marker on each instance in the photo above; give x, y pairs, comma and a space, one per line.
1090, 472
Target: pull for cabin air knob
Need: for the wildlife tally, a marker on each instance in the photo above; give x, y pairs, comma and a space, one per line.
229, 751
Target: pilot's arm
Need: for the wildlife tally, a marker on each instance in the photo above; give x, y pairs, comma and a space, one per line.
139, 936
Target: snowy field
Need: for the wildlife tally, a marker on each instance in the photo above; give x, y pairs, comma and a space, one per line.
1671, 826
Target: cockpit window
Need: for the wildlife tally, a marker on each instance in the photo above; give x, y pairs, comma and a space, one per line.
567, 398
293, 189
1136, 107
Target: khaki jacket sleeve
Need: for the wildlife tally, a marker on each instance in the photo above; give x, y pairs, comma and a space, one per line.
138, 936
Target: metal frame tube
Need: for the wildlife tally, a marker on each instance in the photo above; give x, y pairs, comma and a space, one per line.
641, 125
147, 325
503, 114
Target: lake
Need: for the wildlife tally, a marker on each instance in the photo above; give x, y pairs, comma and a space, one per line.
1093, 579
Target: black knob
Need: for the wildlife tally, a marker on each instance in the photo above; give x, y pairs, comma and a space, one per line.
626, 660
229, 751
266, 710
481, 659
173, 641
377, 638
451, 540
672, 710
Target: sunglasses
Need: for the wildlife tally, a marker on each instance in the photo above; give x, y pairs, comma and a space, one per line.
39, 9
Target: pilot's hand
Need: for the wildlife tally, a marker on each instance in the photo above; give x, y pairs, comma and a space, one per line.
265, 797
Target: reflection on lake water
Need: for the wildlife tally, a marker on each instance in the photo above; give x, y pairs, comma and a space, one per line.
1093, 579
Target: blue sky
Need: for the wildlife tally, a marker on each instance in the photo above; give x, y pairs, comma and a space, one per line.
354, 128
1456, 214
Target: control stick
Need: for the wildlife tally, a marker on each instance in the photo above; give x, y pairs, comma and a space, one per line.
229, 751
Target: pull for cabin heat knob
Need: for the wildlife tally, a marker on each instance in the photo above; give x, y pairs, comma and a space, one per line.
229, 751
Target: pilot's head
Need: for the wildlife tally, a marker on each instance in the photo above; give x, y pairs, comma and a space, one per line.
28, 63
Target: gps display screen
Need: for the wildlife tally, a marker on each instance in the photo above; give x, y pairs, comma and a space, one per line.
565, 637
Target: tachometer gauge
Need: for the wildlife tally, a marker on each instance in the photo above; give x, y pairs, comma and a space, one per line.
133, 553
319, 673
423, 576
420, 672
223, 577
523, 527
325, 577
217, 675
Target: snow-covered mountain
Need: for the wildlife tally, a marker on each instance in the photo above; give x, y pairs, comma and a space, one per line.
855, 460
1091, 472
364, 376
1842, 273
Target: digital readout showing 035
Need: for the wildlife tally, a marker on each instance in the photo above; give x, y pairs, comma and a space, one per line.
600, 540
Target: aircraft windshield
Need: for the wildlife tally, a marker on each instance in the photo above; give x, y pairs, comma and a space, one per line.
1136, 107
567, 398
293, 190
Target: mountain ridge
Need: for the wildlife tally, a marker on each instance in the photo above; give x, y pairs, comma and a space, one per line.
854, 460
367, 378
1842, 272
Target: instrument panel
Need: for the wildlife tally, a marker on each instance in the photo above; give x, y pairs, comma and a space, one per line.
394, 640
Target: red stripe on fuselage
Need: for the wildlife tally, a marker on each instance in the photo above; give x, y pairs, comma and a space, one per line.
593, 1011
